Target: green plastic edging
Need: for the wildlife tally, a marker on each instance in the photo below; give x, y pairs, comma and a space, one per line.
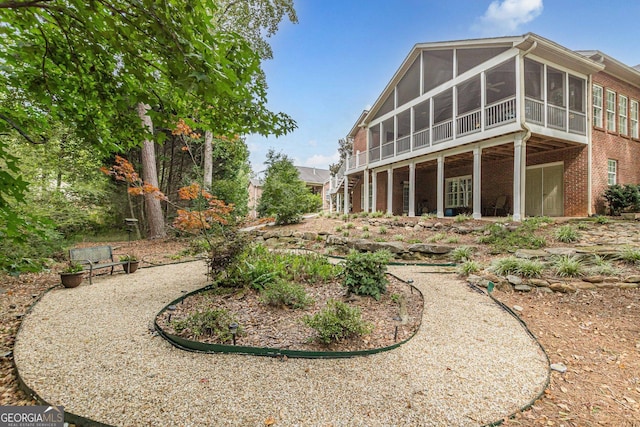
200, 347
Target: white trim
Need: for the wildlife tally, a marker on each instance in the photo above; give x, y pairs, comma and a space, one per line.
544, 165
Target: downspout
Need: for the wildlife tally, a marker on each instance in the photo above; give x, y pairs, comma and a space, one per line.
590, 210
523, 123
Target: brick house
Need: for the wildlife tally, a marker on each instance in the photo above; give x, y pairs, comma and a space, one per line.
510, 125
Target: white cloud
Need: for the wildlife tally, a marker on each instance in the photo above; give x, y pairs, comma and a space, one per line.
313, 143
504, 17
321, 161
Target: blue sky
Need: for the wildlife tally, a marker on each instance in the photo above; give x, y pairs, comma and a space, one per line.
337, 60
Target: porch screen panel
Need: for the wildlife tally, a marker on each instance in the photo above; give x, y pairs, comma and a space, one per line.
409, 86
576, 94
466, 59
555, 87
533, 79
443, 106
374, 143
501, 82
469, 95
438, 68
387, 106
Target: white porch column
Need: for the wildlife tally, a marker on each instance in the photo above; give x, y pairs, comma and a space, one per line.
390, 191
346, 194
412, 189
365, 188
374, 192
477, 194
519, 176
338, 206
440, 188
330, 204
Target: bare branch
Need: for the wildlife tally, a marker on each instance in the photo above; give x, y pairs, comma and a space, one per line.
21, 131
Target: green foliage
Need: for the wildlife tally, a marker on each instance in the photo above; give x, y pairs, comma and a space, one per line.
630, 255
601, 219
568, 266
382, 229
72, 267
462, 218
566, 234
602, 266
452, 239
398, 237
468, 267
437, 237
505, 239
338, 321
284, 194
349, 225
282, 293
365, 235
213, 323
622, 197
376, 214
462, 253
365, 228
517, 266
364, 273
257, 267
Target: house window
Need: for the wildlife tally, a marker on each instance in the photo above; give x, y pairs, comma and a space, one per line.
611, 111
612, 172
622, 115
370, 197
635, 132
458, 192
597, 106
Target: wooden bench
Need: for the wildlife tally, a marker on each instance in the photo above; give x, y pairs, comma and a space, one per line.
94, 258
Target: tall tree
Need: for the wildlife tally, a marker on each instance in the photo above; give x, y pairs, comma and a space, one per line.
89, 63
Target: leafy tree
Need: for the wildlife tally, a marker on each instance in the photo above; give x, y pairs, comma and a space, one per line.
89, 64
284, 194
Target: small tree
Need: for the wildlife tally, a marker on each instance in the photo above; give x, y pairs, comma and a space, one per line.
284, 195
622, 197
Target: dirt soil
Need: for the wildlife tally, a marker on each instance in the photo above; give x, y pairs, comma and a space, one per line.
595, 334
282, 327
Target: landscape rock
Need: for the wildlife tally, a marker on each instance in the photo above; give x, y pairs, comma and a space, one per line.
530, 253
517, 308
582, 285
562, 287
593, 279
523, 288
632, 279
628, 285
560, 367
540, 283
336, 240
426, 248
514, 280
561, 251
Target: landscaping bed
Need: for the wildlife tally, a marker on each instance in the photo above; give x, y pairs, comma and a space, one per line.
263, 325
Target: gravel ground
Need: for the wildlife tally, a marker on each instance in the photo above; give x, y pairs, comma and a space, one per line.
91, 350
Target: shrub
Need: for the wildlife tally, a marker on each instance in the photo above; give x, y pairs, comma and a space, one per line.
337, 321
568, 266
505, 239
462, 253
376, 214
452, 239
630, 255
210, 322
602, 266
364, 273
398, 237
468, 267
566, 234
601, 220
365, 228
339, 229
462, 218
437, 237
349, 226
517, 266
365, 235
282, 293
382, 230
622, 197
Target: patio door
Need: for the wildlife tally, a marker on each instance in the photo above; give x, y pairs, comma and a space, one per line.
545, 190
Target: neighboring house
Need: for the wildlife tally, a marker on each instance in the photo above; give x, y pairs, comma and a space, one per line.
316, 179
464, 124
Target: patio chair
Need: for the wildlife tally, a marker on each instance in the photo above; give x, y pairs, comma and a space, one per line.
500, 205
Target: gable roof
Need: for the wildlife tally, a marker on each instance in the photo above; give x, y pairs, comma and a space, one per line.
614, 67
313, 175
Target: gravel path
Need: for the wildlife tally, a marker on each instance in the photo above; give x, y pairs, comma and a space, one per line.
90, 349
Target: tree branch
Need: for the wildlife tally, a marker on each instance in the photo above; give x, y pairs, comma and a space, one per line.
25, 4
21, 131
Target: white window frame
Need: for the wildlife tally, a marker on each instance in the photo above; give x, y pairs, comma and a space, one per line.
597, 106
635, 131
611, 111
623, 115
612, 172
458, 191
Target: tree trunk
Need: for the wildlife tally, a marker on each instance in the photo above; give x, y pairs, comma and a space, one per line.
208, 159
155, 218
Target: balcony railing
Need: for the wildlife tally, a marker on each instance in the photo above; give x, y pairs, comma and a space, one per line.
497, 114
501, 112
469, 123
403, 145
443, 131
387, 150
